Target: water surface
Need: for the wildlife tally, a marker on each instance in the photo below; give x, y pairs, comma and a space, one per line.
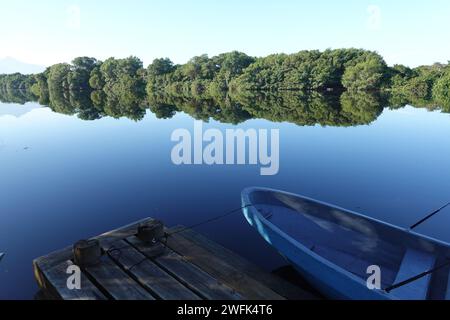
63, 179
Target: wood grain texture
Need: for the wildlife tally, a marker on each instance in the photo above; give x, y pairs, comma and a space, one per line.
190, 275
277, 284
221, 270
118, 284
150, 275
55, 282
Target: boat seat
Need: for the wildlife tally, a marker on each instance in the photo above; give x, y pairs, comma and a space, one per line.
414, 263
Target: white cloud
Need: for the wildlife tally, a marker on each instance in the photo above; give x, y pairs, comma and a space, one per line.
374, 21
73, 17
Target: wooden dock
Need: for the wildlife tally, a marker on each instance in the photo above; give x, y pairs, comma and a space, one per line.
190, 267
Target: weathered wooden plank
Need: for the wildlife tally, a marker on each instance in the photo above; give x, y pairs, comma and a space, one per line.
188, 274
221, 270
277, 284
192, 268
149, 275
197, 279
116, 282
55, 282
65, 254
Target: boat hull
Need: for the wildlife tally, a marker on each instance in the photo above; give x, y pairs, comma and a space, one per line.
322, 275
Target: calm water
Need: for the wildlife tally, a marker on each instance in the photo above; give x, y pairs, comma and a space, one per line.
63, 179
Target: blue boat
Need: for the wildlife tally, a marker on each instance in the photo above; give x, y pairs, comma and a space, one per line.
341, 253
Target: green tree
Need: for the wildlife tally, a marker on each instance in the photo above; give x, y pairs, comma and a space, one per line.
441, 92
80, 73
58, 77
160, 67
366, 75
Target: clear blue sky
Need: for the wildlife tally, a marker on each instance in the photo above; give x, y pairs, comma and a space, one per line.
44, 32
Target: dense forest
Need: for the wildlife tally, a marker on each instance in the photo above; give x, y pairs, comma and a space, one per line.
233, 87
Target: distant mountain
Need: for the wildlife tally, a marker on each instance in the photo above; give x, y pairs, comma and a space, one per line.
11, 65
17, 110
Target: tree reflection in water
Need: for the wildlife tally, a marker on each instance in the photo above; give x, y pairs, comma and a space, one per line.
303, 109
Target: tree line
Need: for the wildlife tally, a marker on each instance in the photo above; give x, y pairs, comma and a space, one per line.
125, 83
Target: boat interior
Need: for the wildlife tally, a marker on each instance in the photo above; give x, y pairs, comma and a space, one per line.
354, 242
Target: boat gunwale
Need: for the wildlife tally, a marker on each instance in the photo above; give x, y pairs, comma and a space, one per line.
405, 231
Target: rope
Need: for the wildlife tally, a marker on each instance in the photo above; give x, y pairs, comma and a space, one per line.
428, 217
209, 220
112, 249
415, 278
